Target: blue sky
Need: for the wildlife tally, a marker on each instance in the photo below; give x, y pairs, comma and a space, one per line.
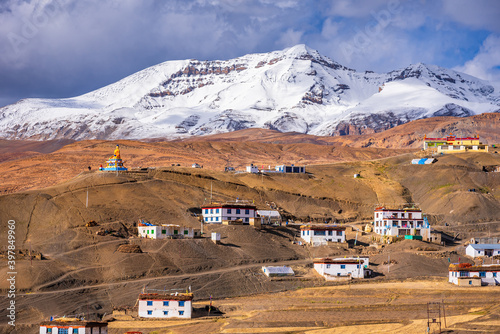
64, 48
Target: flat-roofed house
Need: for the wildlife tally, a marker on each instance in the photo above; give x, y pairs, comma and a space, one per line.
465, 274
156, 305
73, 326
322, 234
216, 213
401, 222
347, 268
165, 231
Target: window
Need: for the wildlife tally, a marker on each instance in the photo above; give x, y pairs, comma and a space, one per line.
186, 232
330, 232
176, 232
211, 210
75, 330
206, 219
307, 232
357, 266
238, 211
482, 274
211, 219
216, 219
228, 211
150, 312
247, 212
165, 303
49, 330
327, 266
149, 303
464, 274
206, 211
247, 220
62, 330
181, 312
342, 266
494, 274
163, 232
339, 233
165, 312
319, 232
216, 210
470, 282
181, 303
147, 231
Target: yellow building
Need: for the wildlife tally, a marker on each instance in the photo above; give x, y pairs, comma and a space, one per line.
452, 144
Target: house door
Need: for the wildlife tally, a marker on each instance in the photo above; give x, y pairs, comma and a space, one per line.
488, 252
409, 215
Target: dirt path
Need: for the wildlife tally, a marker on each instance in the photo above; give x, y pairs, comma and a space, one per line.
208, 272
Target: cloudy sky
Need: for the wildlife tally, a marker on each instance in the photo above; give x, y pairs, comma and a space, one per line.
64, 48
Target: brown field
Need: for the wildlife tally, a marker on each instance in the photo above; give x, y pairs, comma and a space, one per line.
390, 307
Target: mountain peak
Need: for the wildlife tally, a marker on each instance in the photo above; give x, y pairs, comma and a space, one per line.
295, 89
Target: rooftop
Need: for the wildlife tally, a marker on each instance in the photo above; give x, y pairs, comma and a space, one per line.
161, 296
485, 246
323, 227
327, 260
73, 322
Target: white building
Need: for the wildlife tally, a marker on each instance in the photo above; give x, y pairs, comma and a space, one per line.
290, 169
154, 305
322, 234
401, 222
465, 274
334, 269
73, 326
252, 169
277, 271
216, 213
151, 231
475, 250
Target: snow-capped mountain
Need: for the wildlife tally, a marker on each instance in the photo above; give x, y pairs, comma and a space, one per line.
296, 89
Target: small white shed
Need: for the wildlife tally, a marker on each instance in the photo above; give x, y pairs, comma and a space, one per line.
475, 250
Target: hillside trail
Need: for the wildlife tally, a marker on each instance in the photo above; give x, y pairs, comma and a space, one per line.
148, 279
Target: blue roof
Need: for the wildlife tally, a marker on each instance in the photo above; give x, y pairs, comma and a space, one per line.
485, 246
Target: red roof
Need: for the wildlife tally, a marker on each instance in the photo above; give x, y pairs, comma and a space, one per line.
157, 296
338, 261
322, 227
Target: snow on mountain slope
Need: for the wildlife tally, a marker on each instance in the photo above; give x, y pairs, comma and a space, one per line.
296, 89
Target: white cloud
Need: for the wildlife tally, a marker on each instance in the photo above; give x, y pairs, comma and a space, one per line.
486, 64
479, 14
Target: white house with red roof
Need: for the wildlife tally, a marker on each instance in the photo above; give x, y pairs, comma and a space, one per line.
401, 222
216, 213
73, 326
465, 274
322, 234
334, 269
155, 305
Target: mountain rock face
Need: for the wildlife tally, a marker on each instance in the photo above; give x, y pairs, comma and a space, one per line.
296, 89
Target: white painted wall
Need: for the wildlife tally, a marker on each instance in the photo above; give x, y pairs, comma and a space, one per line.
340, 269
312, 237
158, 308
217, 215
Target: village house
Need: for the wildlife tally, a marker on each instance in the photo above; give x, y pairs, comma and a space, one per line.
271, 271
73, 326
475, 250
401, 222
252, 169
342, 268
322, 234
217, 213
290, 169
452, 144
465, 274
166, 231
154, 305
